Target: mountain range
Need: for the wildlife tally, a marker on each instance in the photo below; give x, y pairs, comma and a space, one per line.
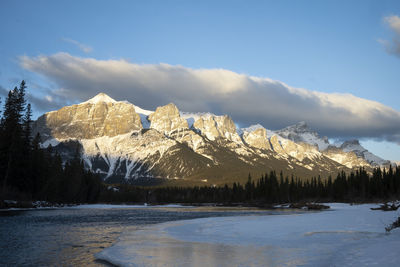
125, 143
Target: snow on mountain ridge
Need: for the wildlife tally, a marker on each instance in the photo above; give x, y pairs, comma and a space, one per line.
139, 110
250, 129
204, 136
298, 133
191, 117
104, 98
256, 136
99, 116
355, 146
101, 97
143, 113
301, 132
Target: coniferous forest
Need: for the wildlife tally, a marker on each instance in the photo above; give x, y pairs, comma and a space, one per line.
272, 188
29, 172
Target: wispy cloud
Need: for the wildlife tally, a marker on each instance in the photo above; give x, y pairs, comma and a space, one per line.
246, 98
82, 47
41, 104
393, 46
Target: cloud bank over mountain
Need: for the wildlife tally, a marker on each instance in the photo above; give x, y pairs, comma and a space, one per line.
246, 98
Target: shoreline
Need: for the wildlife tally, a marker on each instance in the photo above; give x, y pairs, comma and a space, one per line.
304, 205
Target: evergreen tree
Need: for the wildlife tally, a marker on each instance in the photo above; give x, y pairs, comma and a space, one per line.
21, 102
10, 137
27, 121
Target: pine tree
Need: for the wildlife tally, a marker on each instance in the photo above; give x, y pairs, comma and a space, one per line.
27, 121
38, 174
21, 102
9, 136
14, 142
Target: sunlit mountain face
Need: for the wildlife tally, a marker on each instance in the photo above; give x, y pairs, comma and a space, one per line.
125, 143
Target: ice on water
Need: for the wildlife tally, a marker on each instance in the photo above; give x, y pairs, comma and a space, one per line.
343, 236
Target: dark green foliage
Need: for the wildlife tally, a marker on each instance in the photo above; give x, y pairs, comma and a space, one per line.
355, 187
11, 140
27, 171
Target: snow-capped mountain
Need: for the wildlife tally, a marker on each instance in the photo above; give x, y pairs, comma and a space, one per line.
300, 132
350, 153
97, 117
124, 142
360, 151
347, 158
306, 148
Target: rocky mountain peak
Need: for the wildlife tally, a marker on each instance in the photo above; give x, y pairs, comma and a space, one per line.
99, 116
361, 152
166, 119
353, 142
251, 128
256, 137
300, 127
349, 158
301, 132
214, 127
99, 98
353, 145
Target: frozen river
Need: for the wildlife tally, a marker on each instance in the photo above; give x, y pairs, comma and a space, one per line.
73, 236
101, 235
345, 235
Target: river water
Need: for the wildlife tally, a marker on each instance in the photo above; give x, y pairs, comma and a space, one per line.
72, 236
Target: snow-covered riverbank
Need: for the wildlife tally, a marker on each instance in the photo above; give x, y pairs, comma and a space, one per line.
343, 236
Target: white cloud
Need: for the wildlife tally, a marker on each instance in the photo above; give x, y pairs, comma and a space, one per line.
247, 99
394, 23
82, 47
393, 46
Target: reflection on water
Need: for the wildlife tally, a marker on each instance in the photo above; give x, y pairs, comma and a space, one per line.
314, 239
71, 236
153, 247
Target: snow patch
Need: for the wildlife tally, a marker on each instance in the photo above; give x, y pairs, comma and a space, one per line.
360, 151
250, 129
53, 142
102, 97
300, 132
139, 110
191, 117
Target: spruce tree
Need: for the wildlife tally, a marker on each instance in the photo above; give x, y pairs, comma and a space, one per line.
14, 151
27, 121
10, 132
21, 102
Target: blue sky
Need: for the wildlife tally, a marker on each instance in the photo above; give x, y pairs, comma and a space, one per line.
324, 46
